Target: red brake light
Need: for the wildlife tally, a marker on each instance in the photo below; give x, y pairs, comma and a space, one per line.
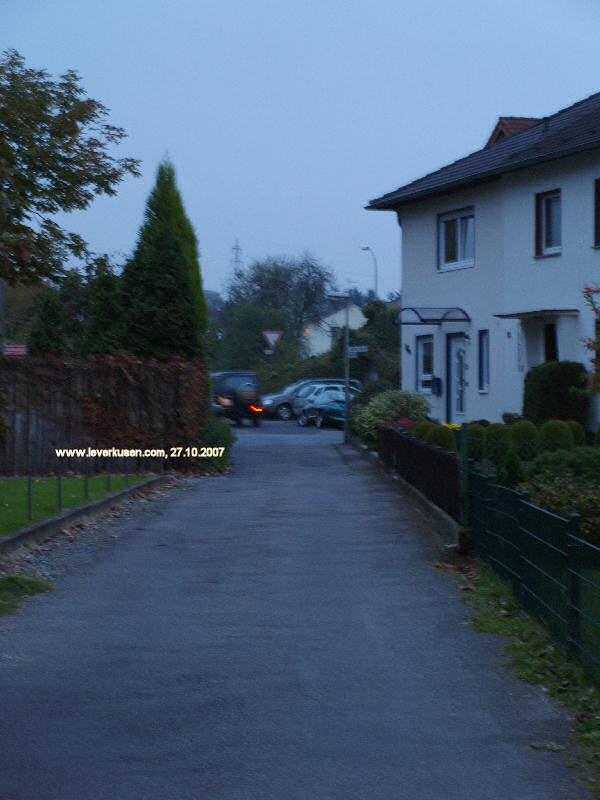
256, 409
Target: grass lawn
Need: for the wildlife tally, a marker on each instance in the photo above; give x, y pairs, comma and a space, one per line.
13, 497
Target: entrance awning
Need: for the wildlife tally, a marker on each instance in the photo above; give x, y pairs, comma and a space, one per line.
542, 312
411, 315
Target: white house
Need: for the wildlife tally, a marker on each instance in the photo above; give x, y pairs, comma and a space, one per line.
318, 337
496, 251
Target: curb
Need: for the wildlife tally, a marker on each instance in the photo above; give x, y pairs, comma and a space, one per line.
40, 531
443, 528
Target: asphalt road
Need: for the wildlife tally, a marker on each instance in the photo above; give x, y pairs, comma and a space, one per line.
274, 634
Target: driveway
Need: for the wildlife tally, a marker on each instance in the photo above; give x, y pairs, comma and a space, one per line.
275, 634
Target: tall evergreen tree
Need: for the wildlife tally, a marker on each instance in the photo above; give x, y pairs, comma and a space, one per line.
105, 318
49, 329
162, 290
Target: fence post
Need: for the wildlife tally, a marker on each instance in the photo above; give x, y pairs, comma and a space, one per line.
464, 474
573, 583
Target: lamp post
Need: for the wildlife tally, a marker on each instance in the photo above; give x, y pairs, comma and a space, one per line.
368, 249
345, 296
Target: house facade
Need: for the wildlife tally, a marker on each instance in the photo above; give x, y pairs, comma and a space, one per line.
319, 337
497, 249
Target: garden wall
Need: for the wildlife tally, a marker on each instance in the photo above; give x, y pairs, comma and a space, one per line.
104, 401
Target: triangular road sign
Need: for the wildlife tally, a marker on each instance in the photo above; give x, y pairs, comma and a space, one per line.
272, 338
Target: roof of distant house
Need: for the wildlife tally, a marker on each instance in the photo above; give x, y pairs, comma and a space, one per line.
515, 142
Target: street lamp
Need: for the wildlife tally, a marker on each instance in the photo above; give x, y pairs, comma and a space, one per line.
367, 249
345, 296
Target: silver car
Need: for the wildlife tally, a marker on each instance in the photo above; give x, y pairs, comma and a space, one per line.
281, 404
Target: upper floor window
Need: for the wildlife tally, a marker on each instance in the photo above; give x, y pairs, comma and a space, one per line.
548, 235
456, 237
424, 363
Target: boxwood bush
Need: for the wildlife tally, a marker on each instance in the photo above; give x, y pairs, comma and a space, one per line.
476, 441
442, 437
556, 390
555, 435
497, 441
525, 438
582, 461
421, 429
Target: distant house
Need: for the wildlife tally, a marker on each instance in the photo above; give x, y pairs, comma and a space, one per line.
319, 337
497, 248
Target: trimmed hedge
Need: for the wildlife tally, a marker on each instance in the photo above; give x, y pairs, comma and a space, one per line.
555, 435
497, 441
476, 433
525, 438
583, 462
421, 429
556, 390
442, 437
510, 469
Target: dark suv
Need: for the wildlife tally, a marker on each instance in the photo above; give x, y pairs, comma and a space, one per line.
236, 395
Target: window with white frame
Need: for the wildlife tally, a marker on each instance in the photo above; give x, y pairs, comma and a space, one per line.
456, 239
483, 341
548, 224
424, 349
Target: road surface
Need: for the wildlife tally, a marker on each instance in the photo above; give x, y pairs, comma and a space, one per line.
275, 634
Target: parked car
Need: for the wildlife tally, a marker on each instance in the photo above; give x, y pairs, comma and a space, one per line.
302, 396
281, 404
326, 406
236, 395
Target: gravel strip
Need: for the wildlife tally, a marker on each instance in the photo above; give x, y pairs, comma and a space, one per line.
80, 543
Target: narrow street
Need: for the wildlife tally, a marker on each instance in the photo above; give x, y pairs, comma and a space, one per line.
275, 634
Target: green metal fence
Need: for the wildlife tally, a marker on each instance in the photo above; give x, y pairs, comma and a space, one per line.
554, 572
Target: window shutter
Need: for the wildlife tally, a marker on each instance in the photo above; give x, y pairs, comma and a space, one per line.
597, 212
539, 210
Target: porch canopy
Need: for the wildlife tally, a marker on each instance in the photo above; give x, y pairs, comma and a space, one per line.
411, 315
539, 313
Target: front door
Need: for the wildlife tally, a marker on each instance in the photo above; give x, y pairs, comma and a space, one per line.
456, 378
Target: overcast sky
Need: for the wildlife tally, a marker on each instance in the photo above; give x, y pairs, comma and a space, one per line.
284, 117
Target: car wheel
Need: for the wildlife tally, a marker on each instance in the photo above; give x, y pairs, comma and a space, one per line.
319, 421
302, 420
284, 412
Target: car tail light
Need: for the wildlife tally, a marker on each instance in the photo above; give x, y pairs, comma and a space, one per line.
256, 409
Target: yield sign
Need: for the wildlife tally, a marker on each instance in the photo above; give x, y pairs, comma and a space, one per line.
272, 338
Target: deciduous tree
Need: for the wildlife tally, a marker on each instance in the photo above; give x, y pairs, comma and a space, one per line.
55, 155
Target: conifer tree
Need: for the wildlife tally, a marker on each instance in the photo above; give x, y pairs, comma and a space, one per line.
105, 319
165, 310
49, 329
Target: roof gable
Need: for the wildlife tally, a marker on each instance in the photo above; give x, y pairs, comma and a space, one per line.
571, 130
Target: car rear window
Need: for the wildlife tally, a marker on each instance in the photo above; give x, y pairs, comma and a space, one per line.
239, 382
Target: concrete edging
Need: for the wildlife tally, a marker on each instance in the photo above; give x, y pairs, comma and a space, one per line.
40, 531
443, 528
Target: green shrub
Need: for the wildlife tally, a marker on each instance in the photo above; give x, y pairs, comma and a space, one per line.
218, 433
371, 389
510, 469
421, 429
567, 493
578, 431
555, 435
442, 437
476, 433
583, 462
597, 437
390, 405
497, 441
525, 438
556, 390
